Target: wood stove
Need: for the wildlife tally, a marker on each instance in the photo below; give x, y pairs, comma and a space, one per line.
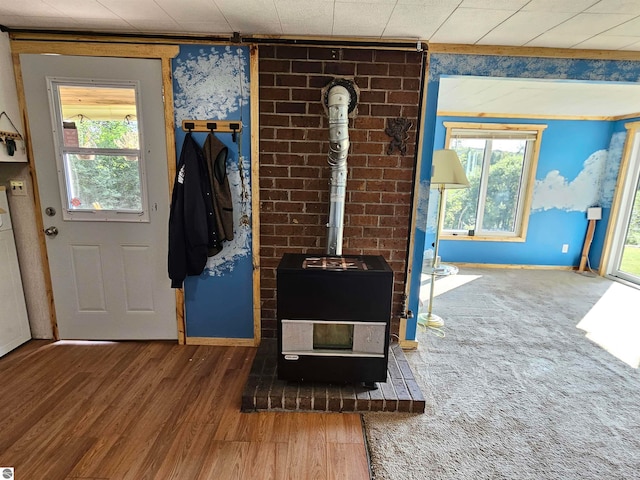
334, 315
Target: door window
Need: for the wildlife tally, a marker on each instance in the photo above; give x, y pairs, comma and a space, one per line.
98, 138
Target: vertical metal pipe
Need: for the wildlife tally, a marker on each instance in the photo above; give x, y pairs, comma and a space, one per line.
338, 105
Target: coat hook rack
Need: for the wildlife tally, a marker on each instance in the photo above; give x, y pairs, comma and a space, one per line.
222, 126
4, 134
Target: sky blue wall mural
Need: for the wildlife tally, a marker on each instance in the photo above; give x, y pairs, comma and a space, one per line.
212, 83
564, 179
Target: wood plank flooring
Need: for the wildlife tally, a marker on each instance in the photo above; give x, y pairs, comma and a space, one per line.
157, 410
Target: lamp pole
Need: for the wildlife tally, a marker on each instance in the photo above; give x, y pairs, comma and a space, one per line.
433, 320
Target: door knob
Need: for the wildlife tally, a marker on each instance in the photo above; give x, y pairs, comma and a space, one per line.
51, 231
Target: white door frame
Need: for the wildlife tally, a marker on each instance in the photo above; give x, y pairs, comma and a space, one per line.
628, 179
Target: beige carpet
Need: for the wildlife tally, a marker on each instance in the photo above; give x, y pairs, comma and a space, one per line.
536, 378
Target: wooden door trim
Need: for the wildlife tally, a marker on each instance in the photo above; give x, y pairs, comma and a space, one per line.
162, 52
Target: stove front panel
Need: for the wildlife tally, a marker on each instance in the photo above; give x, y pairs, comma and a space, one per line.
334, 318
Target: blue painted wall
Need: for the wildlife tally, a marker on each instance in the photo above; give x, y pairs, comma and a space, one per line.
496, 66
568, 179
212, 83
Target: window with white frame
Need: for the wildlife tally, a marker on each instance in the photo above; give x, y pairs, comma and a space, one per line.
98, 138
499, 160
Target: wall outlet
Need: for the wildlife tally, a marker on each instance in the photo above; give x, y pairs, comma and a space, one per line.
565, 247
18, 187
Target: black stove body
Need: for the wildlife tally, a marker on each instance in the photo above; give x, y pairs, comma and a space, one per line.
334, 315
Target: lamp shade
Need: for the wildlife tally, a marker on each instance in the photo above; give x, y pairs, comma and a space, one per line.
447, 170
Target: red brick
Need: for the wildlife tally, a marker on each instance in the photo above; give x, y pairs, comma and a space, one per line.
378, 209
308, 94
319, 81
384, 83
288, 159
290, 134
286, 51
305, 172
358, 55
385, 110
367, 173
267, 107
365, 197
373, 96
285, 80
410, 98
275, 218
274, 194
298, 66
273, 171
267, 79
274, 93
289, 183
273, 146
306, 147
275, 66
289, 207
412, 84
369, 123
305, 121
274, 120
324, 53
379, 69
383, 161
390, 56
291, 107
339, 68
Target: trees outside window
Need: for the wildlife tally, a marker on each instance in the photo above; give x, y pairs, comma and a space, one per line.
498, 161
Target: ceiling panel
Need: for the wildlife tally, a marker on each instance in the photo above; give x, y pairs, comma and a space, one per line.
83, 9
604, 24
372, 18
416, 21
502, 96
523, 27
305, 16
468, 25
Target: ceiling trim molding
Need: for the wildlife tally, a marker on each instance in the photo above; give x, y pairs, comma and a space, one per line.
507, 51
537, 116
94, 49
415, 45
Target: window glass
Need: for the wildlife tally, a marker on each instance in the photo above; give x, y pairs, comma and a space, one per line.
497, 164
99, 150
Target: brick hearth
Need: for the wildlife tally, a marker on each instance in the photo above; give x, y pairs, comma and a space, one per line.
263, 390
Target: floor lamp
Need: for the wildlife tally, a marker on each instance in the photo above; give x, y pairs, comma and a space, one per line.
446, 173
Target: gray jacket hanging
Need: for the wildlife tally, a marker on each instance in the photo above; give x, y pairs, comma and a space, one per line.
215, 153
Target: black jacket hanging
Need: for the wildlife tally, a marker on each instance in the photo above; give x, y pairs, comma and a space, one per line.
192, 225
215, 153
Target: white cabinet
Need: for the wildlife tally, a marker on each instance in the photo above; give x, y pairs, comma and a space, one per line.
14, 324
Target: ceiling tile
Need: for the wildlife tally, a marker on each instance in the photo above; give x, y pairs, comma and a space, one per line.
616, 6
575, 6
197, 11
17, 21
608, 42
209, 28
513, 5
579, 28
28, 8
468, 25
263, 19
300, 17
82, 9
104, 24
522, 27
412, 21
632, 47
143, 10
630, 28
372, 18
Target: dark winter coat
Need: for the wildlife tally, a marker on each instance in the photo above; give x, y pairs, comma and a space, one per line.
216, 153
192, 225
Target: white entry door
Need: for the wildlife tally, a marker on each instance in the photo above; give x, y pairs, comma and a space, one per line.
98, 135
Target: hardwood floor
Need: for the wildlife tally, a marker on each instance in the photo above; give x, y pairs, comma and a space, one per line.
156, 410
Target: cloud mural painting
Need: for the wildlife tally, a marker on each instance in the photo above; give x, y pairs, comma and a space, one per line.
594, 185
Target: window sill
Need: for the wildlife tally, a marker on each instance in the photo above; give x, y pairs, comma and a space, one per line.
482, 238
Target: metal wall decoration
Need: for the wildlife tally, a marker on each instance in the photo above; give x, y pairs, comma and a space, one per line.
397, 129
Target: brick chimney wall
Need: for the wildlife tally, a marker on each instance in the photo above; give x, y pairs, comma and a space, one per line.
294, 174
